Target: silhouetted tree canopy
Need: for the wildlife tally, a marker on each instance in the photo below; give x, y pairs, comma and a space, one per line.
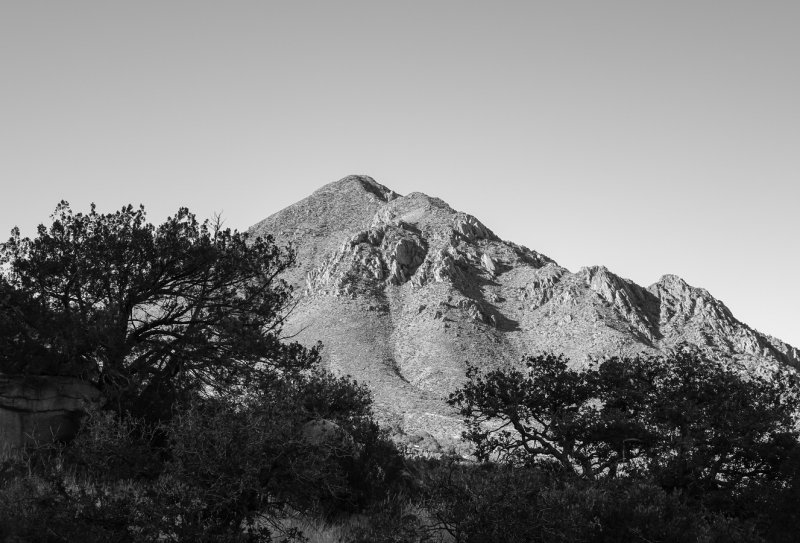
686, 420
145, 311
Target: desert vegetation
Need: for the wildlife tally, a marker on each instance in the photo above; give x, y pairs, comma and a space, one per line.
214, 427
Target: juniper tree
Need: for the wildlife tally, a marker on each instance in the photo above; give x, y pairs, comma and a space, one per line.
143, 311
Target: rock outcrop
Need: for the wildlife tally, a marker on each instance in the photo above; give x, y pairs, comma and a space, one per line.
403, 291
41, 408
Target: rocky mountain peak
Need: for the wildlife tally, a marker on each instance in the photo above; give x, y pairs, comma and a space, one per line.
672, 281
354, 185
403, 291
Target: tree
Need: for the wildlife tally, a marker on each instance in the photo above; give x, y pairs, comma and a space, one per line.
25, 330
146, 312
549, 414
211, 436
689, 421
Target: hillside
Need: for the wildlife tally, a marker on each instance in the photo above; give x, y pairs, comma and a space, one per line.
403, 291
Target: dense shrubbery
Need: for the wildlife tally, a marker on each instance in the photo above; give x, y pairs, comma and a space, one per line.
220, 469
499, 502
231, 469
691, 422
216, 430
692, 444
464, 503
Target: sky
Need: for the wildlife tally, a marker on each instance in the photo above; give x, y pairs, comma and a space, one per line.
650, 137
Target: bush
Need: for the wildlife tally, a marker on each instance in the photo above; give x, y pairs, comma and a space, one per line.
493, 502
222, 468
692, 423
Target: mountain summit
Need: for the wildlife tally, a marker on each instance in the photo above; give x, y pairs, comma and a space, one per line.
404, 291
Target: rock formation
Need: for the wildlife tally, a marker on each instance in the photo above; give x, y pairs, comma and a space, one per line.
403, 291
41, 408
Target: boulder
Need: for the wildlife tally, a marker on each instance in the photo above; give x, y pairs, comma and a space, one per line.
326, 434
421, 442
40, 408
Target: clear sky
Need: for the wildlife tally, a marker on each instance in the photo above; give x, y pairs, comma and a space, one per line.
651, 137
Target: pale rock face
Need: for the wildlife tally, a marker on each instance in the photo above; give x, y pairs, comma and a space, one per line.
540, 288
471, 228
387, 254
693, 316
633, 303
789, 353
445, 268
403, 291
488, 264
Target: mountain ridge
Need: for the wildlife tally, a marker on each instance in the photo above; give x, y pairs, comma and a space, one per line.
403, 291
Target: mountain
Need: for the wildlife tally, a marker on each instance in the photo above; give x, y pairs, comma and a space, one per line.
403, 291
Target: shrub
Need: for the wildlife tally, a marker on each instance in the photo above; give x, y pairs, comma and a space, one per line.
494, 502
690, 422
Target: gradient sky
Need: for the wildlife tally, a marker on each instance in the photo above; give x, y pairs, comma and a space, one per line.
651, 137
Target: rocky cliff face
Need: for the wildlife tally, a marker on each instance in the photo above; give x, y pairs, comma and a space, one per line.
404, 291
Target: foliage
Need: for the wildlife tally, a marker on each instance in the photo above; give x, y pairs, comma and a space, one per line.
485, 502
395, 519
219, 431
148, 312
26, 333
461, 503
225, 470
115, 447
220, 469
774, 505
502, 502
690, 422
210, 435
